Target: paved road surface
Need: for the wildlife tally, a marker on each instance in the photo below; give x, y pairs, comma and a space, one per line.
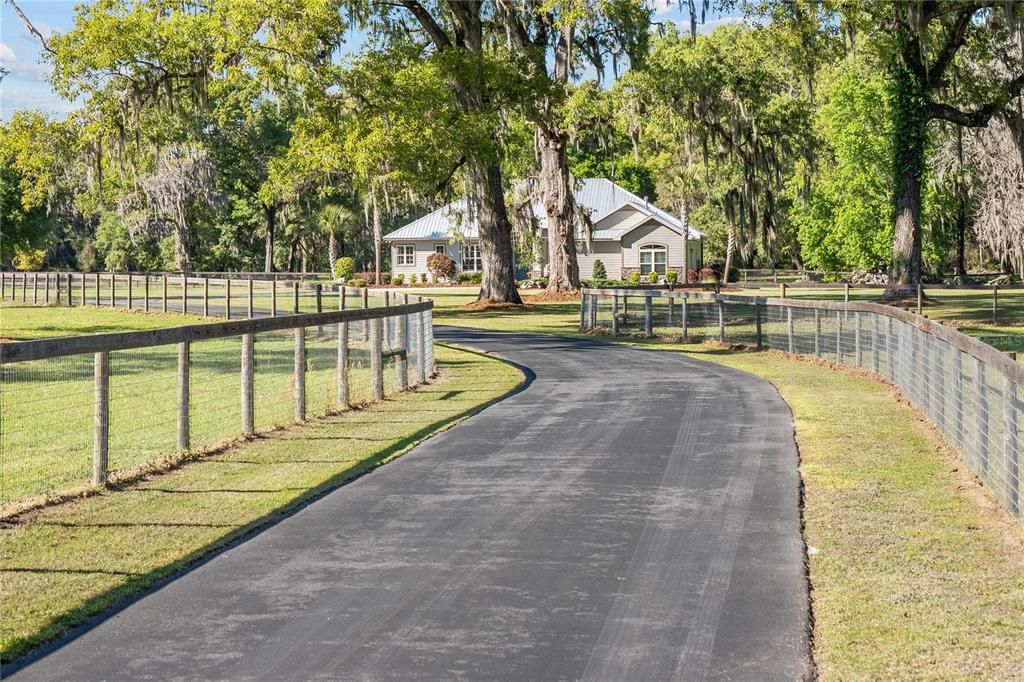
631, 515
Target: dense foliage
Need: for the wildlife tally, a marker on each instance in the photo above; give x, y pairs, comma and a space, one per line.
245, 135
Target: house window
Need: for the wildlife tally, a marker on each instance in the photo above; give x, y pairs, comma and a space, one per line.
471, 261
653, 258
405, 254
438, 248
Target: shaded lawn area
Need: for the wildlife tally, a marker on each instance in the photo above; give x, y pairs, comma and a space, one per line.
915, 572
62, 564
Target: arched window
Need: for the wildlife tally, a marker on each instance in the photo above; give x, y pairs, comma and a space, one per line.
653, 258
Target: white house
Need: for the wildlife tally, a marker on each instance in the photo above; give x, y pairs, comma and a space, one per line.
629, 235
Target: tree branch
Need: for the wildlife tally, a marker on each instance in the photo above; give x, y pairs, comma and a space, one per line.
954, 41
979, 117
30, 27
443, 184
433, 29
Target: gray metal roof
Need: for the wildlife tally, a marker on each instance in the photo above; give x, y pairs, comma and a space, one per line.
600, 196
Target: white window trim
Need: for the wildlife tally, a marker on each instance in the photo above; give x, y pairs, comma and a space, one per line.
651, 248
442, 247
400, 257
478, 260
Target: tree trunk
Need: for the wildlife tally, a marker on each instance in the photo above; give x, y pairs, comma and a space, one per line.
270, 213
559, 206
332, 249
181, 259
499, 277
730, 249
961, 212
376, 237
909, 124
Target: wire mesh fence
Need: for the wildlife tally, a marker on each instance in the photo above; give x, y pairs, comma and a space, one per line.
222, 297
92, 409
970, 391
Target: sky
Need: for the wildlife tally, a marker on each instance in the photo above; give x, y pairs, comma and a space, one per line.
27, 85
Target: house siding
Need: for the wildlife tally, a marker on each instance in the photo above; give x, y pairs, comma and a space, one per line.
424, 247
654, 232
606, 252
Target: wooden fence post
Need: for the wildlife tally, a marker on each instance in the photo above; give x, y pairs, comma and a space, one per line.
97, 290
227, 298
995, 304
402, 364
319, 297
58, 286
757, 324
300, 374
163, 299
920, 297
615, 313
366, 323
376, 364
858, 354
35, 287
421, 347
47, 298
671, 310
184, 294
342, 367
839, 336
846, 293
295, 297
70, 283
981, 386
686, 328
83, 289
1011, 446
250, 297
790, 341
817, 332
101, 417
386, 322
584, 301
24, 287
206, 296
648, 317
248, 411
145, 292
721, 320
273, 297
593, 311
782, 290
958, 396
113, 290
183, 395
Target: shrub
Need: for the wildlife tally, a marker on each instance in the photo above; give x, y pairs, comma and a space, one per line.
707, 274
672, 277
652, 277
344, 268
634, 279
398, 279
463, 278
385, 278
599, 270
441, 266
358, 282
476, 278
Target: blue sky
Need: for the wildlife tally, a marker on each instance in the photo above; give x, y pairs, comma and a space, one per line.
27, 86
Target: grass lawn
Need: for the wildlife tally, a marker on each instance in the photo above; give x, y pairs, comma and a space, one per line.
23, 322
66, 562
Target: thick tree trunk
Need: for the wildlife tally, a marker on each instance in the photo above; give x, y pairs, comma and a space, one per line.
730, 250
270, 213
499, 276
961, 213
559, 206
909, 122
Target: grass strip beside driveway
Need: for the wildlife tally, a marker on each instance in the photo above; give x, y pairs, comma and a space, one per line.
68, 562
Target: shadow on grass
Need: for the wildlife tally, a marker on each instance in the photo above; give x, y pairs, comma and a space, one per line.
73, 624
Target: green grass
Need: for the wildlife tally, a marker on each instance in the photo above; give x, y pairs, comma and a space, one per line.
64, 563
24, 322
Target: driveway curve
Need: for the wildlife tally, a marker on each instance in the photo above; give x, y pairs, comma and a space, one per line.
630, 515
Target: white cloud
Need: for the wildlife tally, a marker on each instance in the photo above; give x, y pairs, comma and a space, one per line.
7, 55
663, 6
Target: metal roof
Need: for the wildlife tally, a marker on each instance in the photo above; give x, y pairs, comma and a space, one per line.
600, 196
